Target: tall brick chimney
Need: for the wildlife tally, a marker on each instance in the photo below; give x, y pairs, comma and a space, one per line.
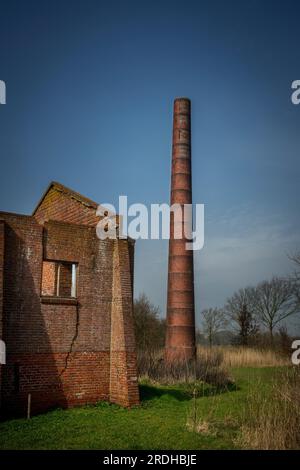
180, 336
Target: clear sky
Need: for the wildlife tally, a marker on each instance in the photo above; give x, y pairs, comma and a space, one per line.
90, 88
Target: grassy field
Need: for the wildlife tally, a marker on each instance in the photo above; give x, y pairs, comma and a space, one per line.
163, 421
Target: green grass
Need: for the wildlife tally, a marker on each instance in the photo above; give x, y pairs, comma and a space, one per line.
159, 423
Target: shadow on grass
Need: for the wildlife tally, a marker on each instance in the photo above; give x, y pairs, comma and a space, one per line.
151, 392
210, 390
182, 392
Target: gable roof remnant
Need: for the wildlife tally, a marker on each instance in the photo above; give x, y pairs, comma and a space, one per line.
77, 197
68, 192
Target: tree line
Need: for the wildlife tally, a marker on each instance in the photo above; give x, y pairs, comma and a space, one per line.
250, 314
255, 309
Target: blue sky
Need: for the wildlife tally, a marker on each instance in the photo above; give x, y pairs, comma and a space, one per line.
90, 87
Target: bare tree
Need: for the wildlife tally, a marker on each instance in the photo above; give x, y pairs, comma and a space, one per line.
272, 302
239, 310
295, 279
248, 325
213, 321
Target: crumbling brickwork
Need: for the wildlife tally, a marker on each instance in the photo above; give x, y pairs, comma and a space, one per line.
59, 203
65, 350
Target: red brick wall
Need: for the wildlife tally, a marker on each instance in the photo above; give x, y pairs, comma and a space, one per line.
66, 353
131, 262
22, 323
65, 279
2, 228
79, 244
49, 278
123, 373
53, 384
22, 278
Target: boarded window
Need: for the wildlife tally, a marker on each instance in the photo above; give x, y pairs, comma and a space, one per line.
59, 279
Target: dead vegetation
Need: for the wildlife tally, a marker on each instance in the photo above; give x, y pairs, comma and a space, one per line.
208, 368
268, 418
241, 356
211, 366
273, 424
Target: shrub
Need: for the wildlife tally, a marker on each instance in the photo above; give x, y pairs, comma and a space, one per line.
207, 368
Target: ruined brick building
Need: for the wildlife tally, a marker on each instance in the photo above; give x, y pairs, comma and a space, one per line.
65, 308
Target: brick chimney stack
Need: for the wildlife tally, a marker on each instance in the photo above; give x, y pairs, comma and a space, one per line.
180, 336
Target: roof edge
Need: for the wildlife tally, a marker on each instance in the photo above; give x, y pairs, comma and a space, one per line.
70, 192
